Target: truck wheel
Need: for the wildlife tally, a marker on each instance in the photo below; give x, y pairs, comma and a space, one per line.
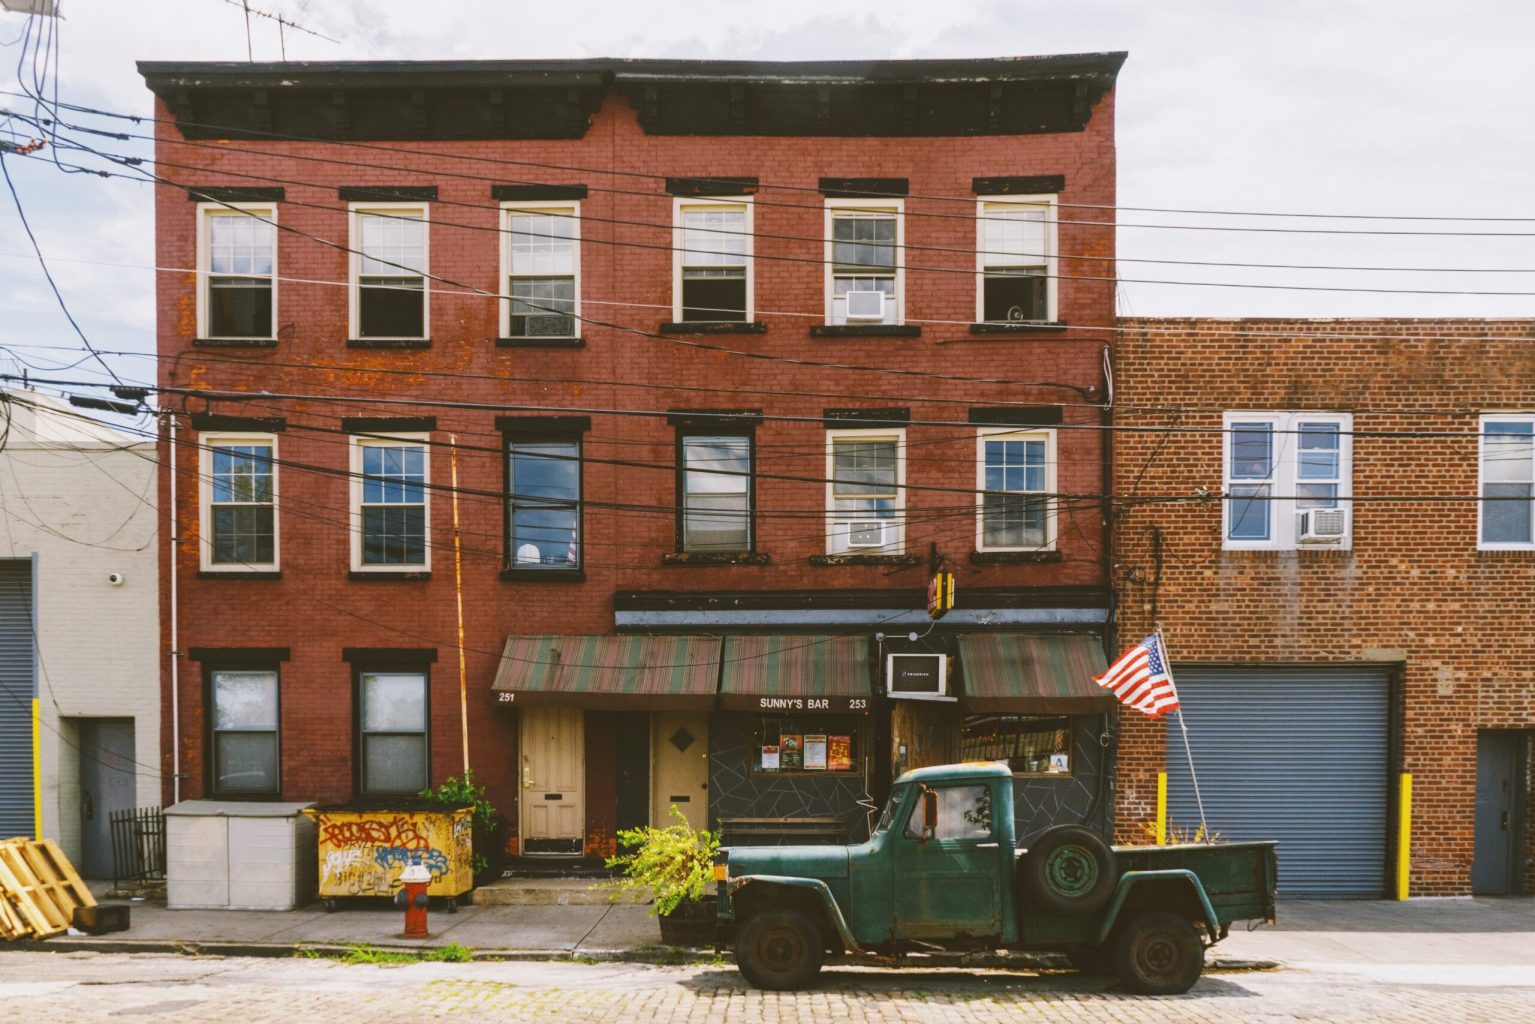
779, 949
1090, 960
1158, 953
1068, 870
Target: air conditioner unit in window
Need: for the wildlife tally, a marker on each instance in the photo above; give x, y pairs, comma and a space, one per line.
866, 305
864, 533
1323, 525
917, 676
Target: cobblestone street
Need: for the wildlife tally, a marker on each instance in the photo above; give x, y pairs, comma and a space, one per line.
37, 987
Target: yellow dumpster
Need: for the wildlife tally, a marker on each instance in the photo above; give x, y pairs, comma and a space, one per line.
363, 850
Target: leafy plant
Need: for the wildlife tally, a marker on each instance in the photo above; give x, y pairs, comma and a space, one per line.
672, 864
1178, 835
452, 953
362, 953
460, 792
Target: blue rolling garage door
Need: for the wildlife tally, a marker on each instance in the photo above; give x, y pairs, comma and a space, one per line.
16, 692
1293, 754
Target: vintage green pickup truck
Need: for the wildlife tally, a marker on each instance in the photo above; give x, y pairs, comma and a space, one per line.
942, 872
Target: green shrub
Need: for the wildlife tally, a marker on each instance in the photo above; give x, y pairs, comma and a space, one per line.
671, 865
460, 792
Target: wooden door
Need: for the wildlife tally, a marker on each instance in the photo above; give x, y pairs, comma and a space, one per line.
552, 817
680, 749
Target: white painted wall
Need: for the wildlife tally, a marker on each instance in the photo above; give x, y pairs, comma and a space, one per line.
80, 498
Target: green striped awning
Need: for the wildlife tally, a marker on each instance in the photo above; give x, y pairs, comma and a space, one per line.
608, 672
795, 673
1050, 674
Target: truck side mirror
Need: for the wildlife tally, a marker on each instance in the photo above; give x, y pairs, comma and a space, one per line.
929, 813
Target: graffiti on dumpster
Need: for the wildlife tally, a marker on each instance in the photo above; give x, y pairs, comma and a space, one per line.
363, 856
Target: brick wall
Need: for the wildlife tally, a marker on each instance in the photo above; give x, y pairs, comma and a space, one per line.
314, 608
1414, 590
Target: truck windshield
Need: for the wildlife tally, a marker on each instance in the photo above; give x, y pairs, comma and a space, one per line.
887, 816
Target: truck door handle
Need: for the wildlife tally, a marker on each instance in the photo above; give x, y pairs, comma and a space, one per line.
986, 846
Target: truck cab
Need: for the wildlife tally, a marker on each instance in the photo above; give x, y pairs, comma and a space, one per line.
942, 870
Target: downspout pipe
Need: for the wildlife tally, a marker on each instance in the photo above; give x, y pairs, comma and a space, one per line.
174, 535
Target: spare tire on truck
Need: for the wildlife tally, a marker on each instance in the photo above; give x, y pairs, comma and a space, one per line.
1068, 870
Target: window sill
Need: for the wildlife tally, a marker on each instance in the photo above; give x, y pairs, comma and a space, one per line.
1021, 327
714, 327
1013, 557
244, 796
1528, 552
827, 561
706, 558
1310, 550
543, 575
536, 342
235, 342
389, 574
866, 331
389, 343
239, 574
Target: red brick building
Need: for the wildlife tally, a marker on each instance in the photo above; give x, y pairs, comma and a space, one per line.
678, 378
1359, 604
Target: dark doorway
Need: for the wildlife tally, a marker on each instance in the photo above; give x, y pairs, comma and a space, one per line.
634, 771
107, 784
1500, 800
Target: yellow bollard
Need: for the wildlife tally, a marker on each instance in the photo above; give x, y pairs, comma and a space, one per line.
1403, 834
1161, 808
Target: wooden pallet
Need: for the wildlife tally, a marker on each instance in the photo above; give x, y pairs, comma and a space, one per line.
39, 889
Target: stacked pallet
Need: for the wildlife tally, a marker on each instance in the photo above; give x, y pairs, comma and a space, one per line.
39, 890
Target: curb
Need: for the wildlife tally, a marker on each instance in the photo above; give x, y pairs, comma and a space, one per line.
661, 957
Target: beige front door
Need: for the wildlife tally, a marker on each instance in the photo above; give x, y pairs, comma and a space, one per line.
552, 818
680, 777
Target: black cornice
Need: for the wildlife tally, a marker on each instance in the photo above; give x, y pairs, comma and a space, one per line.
424, 100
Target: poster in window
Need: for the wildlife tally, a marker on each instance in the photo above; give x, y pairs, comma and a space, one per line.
815, 752
770, 758
839, 753
791, 754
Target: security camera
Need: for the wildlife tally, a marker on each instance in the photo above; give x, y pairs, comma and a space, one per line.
116, 578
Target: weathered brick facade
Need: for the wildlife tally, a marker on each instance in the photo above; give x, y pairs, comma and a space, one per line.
314, 608
1414, 591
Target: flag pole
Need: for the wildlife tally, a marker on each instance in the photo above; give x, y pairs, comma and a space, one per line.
1183, 727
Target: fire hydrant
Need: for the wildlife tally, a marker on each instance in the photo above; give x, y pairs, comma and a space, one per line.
412, 896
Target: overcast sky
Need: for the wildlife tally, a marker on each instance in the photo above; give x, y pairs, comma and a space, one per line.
1364, 107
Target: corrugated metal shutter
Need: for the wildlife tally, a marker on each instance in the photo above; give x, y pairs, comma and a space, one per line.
1297, 755
16, 690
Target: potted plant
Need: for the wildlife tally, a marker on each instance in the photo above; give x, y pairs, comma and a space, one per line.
673, 866
489, 857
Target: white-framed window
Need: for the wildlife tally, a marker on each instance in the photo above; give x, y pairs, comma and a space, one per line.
392, 732
238, 484
391, 512
1015, 475
865, 261
712, 264
237, 270
865, 492
716, 492
1015, 259
541, 269
1287, 480
1506, 520
389, 293
243, 729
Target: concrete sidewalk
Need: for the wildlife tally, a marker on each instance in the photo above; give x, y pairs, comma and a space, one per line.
565, 920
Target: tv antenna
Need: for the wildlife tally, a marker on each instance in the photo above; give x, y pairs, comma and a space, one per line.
283, 23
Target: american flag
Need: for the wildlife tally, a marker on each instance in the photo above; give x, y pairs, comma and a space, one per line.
1140, 678
572, 553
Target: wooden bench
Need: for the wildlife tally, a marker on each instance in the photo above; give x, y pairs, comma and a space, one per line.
782, 831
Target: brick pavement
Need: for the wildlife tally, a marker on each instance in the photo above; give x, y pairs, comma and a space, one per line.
44, 987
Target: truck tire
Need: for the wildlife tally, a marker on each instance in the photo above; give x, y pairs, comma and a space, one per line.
1068, 870
1158, 953
780, 950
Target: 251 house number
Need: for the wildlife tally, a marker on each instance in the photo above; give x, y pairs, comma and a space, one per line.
505, 698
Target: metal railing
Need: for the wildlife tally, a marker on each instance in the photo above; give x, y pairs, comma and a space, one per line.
138, 846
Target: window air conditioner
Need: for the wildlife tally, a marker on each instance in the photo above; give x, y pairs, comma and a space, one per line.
917, 676
866, 305
1323, 525
864, 533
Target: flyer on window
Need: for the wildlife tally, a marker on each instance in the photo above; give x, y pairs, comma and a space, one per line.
815, 752
770, 758
839, 753
791, 756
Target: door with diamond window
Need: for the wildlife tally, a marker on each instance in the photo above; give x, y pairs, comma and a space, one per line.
680, 746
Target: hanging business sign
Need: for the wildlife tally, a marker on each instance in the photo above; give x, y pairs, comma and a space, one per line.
940, 595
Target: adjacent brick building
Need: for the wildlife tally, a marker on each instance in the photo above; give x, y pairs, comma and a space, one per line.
1326, 646
679, 378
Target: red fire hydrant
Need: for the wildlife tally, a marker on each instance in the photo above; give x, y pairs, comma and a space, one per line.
414, 899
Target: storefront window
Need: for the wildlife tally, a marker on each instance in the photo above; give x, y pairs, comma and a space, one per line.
824, 743
1027, 744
